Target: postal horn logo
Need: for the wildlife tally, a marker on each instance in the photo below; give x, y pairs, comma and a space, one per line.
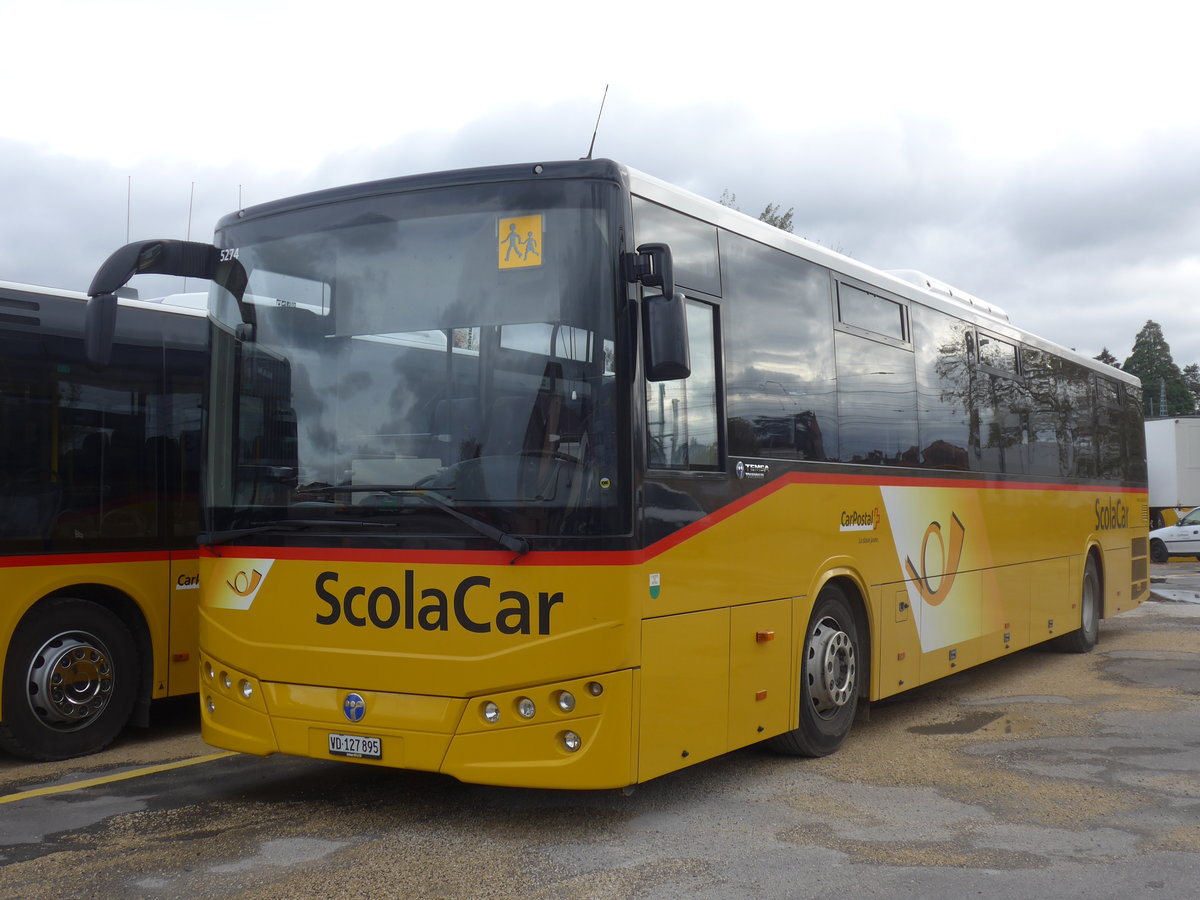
243, 584
238, 581
947, 563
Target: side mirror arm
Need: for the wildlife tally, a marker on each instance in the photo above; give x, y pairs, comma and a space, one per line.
664, 321
186, 259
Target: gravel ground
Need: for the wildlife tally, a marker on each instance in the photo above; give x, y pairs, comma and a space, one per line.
1040, 774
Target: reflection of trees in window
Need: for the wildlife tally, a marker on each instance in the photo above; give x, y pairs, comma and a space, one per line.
943, 388
982, 408
1061, 415
1108, 428
1133, 435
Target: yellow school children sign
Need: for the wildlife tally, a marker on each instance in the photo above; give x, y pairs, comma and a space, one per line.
520, 242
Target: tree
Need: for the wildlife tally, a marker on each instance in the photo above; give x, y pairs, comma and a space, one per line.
1108, 359
1191, 377
1163, 386
771, 215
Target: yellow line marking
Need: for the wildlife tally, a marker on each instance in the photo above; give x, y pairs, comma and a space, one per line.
109, 779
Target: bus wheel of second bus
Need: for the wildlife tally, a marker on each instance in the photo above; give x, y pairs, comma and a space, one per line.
829, 678
1085, 636
70, 681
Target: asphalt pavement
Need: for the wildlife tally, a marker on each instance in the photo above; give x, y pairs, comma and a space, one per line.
1176, 581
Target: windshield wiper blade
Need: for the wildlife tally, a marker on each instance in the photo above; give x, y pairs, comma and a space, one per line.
512, 543
517, 545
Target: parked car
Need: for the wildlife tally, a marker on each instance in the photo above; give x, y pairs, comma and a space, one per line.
1180, 539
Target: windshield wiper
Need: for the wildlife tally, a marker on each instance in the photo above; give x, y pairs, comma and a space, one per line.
512, 543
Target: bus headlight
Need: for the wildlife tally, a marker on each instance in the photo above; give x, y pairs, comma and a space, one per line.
526, 708
566, 701
491, 713
570, 741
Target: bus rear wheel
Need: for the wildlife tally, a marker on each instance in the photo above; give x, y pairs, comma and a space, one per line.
1084, 638
70, 681
829, 678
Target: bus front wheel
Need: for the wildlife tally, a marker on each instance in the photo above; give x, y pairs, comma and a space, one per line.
70, 681
829, 678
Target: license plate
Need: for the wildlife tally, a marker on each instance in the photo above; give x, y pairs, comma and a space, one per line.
355, 745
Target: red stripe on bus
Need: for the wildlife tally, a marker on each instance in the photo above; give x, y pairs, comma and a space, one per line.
638, 557
98, 559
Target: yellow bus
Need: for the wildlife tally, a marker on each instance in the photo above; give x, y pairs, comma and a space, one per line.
99, 510
556, 475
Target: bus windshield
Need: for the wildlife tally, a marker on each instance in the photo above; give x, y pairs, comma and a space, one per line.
434, 359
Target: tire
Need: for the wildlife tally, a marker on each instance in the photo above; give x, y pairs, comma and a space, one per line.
70, 681
829, 678
1158, 551
1091, 595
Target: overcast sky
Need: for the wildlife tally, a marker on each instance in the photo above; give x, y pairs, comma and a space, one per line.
1043, 156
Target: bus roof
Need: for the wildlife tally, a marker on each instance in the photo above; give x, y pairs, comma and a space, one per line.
908, 283
189, 304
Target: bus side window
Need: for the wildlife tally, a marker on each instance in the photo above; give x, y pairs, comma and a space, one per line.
682, 422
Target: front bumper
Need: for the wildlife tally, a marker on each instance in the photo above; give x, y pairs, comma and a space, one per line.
450, 735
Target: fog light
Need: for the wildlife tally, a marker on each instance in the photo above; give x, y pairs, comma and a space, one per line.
247, 689
212, 707
525, 708
570, 741
566, 701
491, 712
226, 680
595, 688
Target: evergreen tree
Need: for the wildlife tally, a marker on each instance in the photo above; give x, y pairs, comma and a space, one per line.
1108, 359
1191, 377
1163, 386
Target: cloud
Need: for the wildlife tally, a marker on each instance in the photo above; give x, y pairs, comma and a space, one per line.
1080, 242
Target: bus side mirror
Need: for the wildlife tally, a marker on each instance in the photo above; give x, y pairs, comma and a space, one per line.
664, 324
100, 323
666, 341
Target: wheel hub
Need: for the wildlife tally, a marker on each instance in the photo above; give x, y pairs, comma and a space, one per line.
831, 667
70, 680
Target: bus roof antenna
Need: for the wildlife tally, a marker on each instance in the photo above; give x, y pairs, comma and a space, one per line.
592, 145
